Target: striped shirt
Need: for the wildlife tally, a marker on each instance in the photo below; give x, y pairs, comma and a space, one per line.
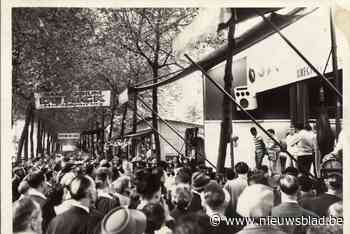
259, 143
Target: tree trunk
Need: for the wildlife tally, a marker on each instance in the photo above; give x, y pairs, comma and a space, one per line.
226, 126
134, 123
103, 133
26, 142
21, 142
31, 137
44, 135
38, 138
123, 121
92, 145
155, 90
111, 124
134, 114
48, 143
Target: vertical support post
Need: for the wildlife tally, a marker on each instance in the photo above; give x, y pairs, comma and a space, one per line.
335, 73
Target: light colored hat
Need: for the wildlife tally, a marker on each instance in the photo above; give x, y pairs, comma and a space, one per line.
255, 201
122, 220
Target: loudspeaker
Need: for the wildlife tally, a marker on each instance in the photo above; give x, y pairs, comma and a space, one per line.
246, 98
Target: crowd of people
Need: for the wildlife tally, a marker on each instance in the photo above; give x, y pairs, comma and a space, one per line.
78, 193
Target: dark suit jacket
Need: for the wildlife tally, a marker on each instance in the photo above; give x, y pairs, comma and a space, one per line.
319, 204
196, 203
75, 221
104, 204
291, 209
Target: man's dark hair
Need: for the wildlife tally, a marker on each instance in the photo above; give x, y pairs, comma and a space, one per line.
79, 186
147, 182
193, 224
89, 169
291, 171
155, 216
289, 184
253, 130
183, 175
242, 168
270, 130
35, 179
305, 183
230, 174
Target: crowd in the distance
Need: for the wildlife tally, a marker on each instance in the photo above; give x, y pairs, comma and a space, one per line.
76, 194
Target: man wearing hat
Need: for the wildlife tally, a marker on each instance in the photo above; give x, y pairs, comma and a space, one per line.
122, 220
199, 181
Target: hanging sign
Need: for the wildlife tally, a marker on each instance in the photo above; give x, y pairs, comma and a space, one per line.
123, 97
68, 136
89, 98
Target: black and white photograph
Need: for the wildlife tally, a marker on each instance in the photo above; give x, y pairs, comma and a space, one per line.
174, 119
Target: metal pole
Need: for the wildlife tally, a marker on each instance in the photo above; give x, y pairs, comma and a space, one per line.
301, 56
329, 56
138, 115
239, 106
335, 72
171, 127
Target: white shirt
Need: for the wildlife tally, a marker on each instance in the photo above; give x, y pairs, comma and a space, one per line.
303, 142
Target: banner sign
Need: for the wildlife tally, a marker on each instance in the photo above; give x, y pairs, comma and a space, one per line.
123, 97
89, 98
271, 63
68, 136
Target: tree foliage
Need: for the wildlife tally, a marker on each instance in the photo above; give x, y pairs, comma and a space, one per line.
66, 49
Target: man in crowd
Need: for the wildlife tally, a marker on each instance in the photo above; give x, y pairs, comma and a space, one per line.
236, 186
321, 203
289, 207
256, 202
105, 201
260, 149
36, 182
199, 181
78, 219
273, 151
304, 142
215, 200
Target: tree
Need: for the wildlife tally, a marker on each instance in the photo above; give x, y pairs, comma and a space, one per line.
61, 50
148, 33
